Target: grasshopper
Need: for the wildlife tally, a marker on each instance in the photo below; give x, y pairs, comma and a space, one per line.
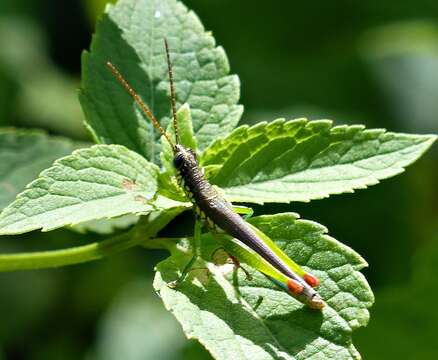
248, 244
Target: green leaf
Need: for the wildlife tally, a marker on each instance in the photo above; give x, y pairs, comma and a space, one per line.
103, 181
187, 138
236, 318
130, 35
302, 160
23, 155
168, 183
106, 226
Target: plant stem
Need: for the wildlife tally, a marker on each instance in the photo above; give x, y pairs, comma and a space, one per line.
147, 228
74, 255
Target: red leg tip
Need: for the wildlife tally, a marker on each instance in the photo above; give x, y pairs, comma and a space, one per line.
313, 281
294, 286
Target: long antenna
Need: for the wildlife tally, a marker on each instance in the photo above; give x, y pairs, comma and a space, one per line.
139, 101
172, 91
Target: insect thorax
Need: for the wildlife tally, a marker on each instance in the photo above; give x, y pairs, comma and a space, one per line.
195, 186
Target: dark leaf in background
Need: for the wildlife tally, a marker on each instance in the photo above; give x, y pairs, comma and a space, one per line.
23, 155
41, 95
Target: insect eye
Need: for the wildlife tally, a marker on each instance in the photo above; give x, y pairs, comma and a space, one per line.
178, 161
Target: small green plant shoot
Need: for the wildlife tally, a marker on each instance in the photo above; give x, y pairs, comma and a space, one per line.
164, 115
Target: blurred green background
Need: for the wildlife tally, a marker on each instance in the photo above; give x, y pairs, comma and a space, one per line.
373, 62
